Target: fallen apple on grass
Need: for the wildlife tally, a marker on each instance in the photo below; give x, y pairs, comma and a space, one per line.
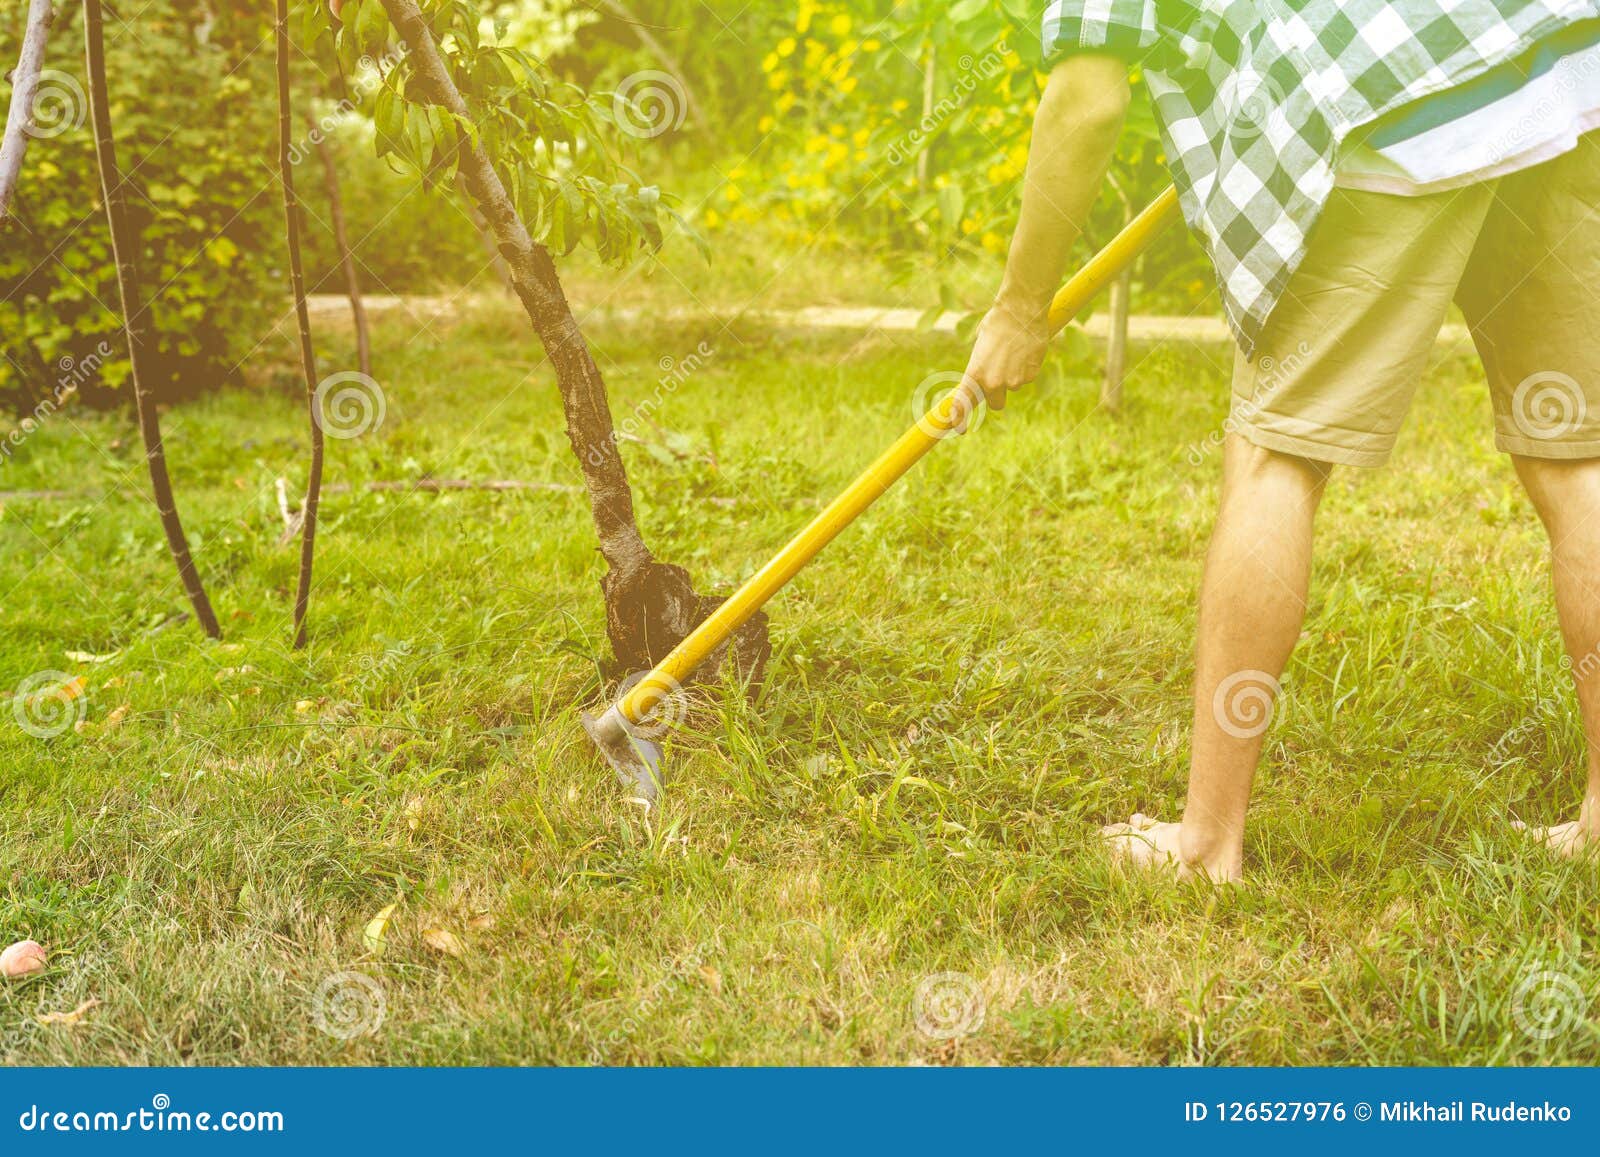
23, 958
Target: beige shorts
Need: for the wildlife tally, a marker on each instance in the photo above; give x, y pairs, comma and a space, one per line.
1341, 355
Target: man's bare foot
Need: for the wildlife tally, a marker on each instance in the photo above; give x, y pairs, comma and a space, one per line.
1144, 842
1570, 839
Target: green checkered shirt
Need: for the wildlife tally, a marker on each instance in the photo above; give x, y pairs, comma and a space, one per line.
1254, 98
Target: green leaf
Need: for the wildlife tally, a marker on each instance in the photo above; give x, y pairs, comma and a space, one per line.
372, 29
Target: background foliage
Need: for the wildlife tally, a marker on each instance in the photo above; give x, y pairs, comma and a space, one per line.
901, 128
895, 131
193, 112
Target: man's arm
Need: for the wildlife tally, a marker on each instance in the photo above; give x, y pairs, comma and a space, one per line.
1074, 136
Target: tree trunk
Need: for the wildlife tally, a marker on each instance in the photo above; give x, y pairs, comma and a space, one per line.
650, 606
1117, 343
308, 356
1117, 335
24, 85
124, 250
341, 242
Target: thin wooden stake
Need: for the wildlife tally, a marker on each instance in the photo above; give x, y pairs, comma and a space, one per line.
124, 250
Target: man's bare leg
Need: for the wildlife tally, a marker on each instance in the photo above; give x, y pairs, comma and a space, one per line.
1252, 603
1567, 497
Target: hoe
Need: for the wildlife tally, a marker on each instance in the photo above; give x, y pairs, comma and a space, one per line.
627, 732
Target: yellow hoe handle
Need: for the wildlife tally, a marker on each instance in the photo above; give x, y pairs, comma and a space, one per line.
948, 414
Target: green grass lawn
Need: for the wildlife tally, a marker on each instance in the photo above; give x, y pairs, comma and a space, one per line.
991, 664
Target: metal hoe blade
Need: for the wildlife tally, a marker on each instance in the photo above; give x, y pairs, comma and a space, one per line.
637, 761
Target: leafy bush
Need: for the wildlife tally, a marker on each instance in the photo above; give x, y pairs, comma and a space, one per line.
913, 127
193, 107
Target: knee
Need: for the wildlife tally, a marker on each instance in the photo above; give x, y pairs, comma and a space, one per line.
1252, 468
1565, 492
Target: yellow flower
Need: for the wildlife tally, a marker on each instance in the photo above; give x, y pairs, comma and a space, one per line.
766, 124
786, 46
840, 24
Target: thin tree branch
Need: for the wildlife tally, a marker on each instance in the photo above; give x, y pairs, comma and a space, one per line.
341, 243
124, 250
24, 85
308, 356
